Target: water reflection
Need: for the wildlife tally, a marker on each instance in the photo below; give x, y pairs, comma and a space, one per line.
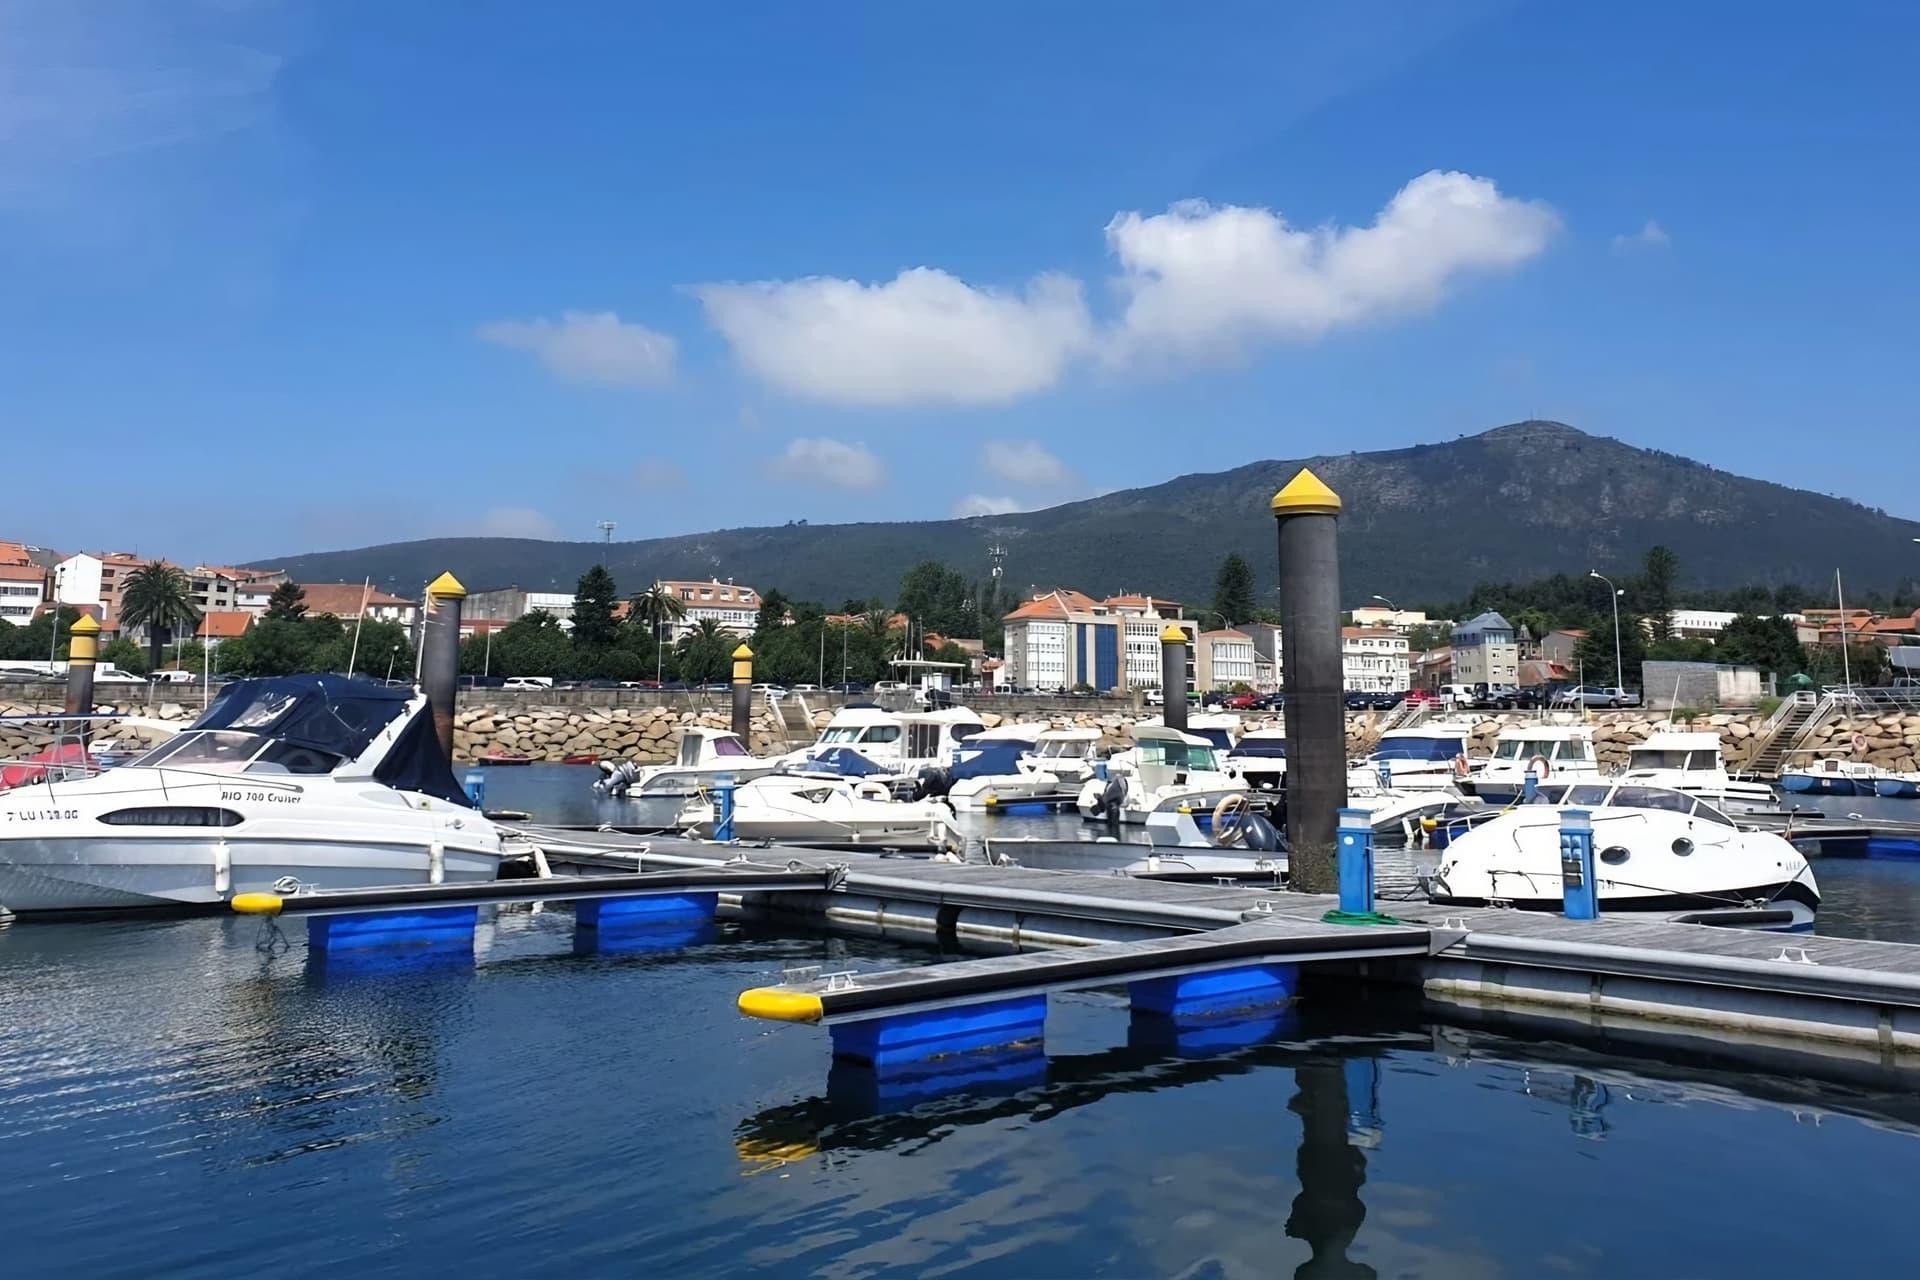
1328, 1211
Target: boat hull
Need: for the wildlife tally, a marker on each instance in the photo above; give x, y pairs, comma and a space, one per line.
1795, 896
93, 874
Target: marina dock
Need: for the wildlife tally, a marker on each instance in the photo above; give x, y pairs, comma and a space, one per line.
1189, 950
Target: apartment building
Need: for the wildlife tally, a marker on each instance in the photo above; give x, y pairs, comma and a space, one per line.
1396, 619
1375, 660
1060, 639
348, 601
1142, 619
218, 589
1223, 659
1485, 651
733, 606
23, 589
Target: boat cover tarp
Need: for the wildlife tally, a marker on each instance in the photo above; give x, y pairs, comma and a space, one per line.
844, 761
342, 717
991, 758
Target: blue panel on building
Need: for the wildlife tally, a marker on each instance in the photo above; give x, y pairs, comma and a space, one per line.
1106, 661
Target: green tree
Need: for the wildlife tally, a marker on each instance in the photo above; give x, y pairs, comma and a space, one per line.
1771, 644
159, 597
936, 598
1654, 591
1681, 649
594, 599
534, 645
1595, 653
706, 652
1428, 636
188, 655
656, 609
126, 655
270, 647
288, 603
1233, 590
772, 615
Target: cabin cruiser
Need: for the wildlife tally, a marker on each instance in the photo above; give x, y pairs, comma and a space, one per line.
991, 770
812, 808
1557, 752
705, 756
1431, 756
1655, 849
1691, 762
1850, 778
903, 741
1064, 754
314, 781
1260, 758
1164, 770
864, 726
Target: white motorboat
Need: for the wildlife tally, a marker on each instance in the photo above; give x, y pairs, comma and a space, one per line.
1691, 762
1547, 752
705, 756
1065, 755
1655, 850
1260, 757
990, 770
1165, 770
902, 741
1174, 848
1430, 756
822, 809
316, 781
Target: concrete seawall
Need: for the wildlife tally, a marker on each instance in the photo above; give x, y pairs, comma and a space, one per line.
648, 734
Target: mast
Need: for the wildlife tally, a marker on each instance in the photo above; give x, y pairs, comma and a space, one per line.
1846, 662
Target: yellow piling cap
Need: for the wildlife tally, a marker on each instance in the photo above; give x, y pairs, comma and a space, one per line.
1306, 495
84, 625
742, 654
780, 1005
1173, 635
447, 587
257, 904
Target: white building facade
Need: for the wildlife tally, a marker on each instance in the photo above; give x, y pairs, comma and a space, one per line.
1375, 660
734, 607
23, 589
1226, 659
1036, 653
76, 580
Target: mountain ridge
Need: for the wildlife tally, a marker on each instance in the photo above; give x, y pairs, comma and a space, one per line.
1420, 523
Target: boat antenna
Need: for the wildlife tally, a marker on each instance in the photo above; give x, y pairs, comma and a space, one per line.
1846, 662
353, 655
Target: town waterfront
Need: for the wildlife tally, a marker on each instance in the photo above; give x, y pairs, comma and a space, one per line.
197, 1097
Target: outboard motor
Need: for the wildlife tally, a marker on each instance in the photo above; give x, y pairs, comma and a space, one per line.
616, 778
1259, 834
1108, 803
932, 782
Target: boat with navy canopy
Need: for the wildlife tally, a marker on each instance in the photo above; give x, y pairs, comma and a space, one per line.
314, 781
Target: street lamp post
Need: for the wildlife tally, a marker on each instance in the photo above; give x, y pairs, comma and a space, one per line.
1619, 676
391, 659
1391, 605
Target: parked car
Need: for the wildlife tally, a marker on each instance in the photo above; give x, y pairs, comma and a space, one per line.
528, 683
805, 688
773, 691
1587, 695
1243, 702
1420, 697
847, 686
1359, 701
1155, 698
1494, 697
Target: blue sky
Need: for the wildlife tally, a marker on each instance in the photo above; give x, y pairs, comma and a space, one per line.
289, 276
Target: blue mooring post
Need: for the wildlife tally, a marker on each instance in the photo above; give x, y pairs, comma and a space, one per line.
723, 807
1579, 893
1356, 862
475, 784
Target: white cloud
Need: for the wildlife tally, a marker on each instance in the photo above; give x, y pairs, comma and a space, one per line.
924, 336
591, 346
1650, 236
979, 504
831, 462
1210, 282
1025, 463
515, 522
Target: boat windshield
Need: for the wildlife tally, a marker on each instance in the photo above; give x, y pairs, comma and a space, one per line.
728, 747
1436, 749
1670, 758
1064, 749
1176, 755
1553, 749
228, 751
1266, 748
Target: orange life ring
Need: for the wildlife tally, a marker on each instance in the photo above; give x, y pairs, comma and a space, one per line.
1545, 769
1459, 766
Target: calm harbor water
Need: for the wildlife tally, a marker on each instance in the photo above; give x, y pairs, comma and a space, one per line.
200, 1098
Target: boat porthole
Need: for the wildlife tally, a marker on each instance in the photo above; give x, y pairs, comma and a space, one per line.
1615, 854
1683, 846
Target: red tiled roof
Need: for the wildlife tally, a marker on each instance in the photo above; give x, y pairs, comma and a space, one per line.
23, 573
1227, 633
222, 624
1140, 602
12, 553
1378, 633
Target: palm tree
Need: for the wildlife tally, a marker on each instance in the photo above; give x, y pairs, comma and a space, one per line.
657, 606
158, 596
704, 650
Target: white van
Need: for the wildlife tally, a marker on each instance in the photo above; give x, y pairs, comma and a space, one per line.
173, 675
524, 683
